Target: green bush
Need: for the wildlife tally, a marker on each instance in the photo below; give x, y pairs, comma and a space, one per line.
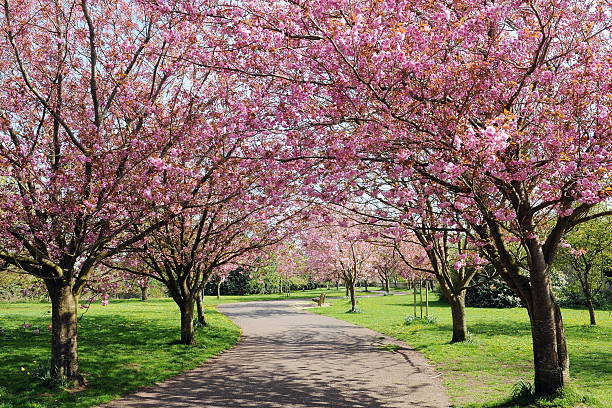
494, 293
236, 283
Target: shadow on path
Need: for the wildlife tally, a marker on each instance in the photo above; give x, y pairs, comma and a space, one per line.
289, 358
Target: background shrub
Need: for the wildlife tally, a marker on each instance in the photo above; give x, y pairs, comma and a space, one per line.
494, 293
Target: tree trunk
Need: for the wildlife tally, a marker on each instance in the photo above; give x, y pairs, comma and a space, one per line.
64, 355
347, 289
414, 300
187, 331
337, 286
144, 293
365, 284
426, 298
457, 304
589, 304
421, 297
219, 290
551, 361
353, 300
200, 309
387, 285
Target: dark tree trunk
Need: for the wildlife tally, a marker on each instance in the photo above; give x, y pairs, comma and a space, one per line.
414, 300
352, 294
421, 297
187, 330
426, 298
550, 356
589, 304
387, 285
457, 304
200, 308
347, 289
64, 355
337, 286
144, 293
365, 285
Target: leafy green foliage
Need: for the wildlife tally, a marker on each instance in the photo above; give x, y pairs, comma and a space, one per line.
494, 293
585, 265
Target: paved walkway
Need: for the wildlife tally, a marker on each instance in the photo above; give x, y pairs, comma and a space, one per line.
289, 358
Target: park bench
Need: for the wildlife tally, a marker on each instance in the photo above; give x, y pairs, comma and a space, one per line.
320, 300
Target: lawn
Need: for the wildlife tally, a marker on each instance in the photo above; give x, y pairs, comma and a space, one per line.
498, 355
138, 336
123, 346
305, 294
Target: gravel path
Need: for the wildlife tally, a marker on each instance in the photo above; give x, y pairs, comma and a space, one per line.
289, 358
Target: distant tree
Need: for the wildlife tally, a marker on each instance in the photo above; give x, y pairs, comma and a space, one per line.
586, 259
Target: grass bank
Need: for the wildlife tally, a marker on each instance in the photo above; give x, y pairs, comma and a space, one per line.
123, 346
482, 371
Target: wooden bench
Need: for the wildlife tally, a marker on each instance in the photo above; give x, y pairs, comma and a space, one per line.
320, 300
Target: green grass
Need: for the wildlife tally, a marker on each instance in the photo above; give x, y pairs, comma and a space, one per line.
305, 294
122, 346
481, 372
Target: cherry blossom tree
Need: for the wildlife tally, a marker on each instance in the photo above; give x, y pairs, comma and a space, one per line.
332, 246
501, 108
99, 121
231, 220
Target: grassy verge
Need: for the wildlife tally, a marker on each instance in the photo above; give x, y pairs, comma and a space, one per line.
123, 346
305, 294
482, 371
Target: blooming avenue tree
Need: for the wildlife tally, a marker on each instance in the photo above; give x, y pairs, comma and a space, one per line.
503, 108
97, 121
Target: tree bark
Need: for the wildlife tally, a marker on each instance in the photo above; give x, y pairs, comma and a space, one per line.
414, 300
200, 309
352, 294
421, 297
64, 354
589, 304
426, 298
219, 290
551, 361
144, 293
387, 285
457, 304
187, 330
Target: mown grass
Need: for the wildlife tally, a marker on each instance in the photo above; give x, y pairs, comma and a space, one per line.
482, 371
123, 346
304, 294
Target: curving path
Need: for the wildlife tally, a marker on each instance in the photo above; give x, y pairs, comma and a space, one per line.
289, 358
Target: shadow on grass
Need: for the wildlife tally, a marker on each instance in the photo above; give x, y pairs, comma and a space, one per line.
117, 356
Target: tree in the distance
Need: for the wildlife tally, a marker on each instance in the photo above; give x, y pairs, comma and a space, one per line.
332, 247
586, 259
